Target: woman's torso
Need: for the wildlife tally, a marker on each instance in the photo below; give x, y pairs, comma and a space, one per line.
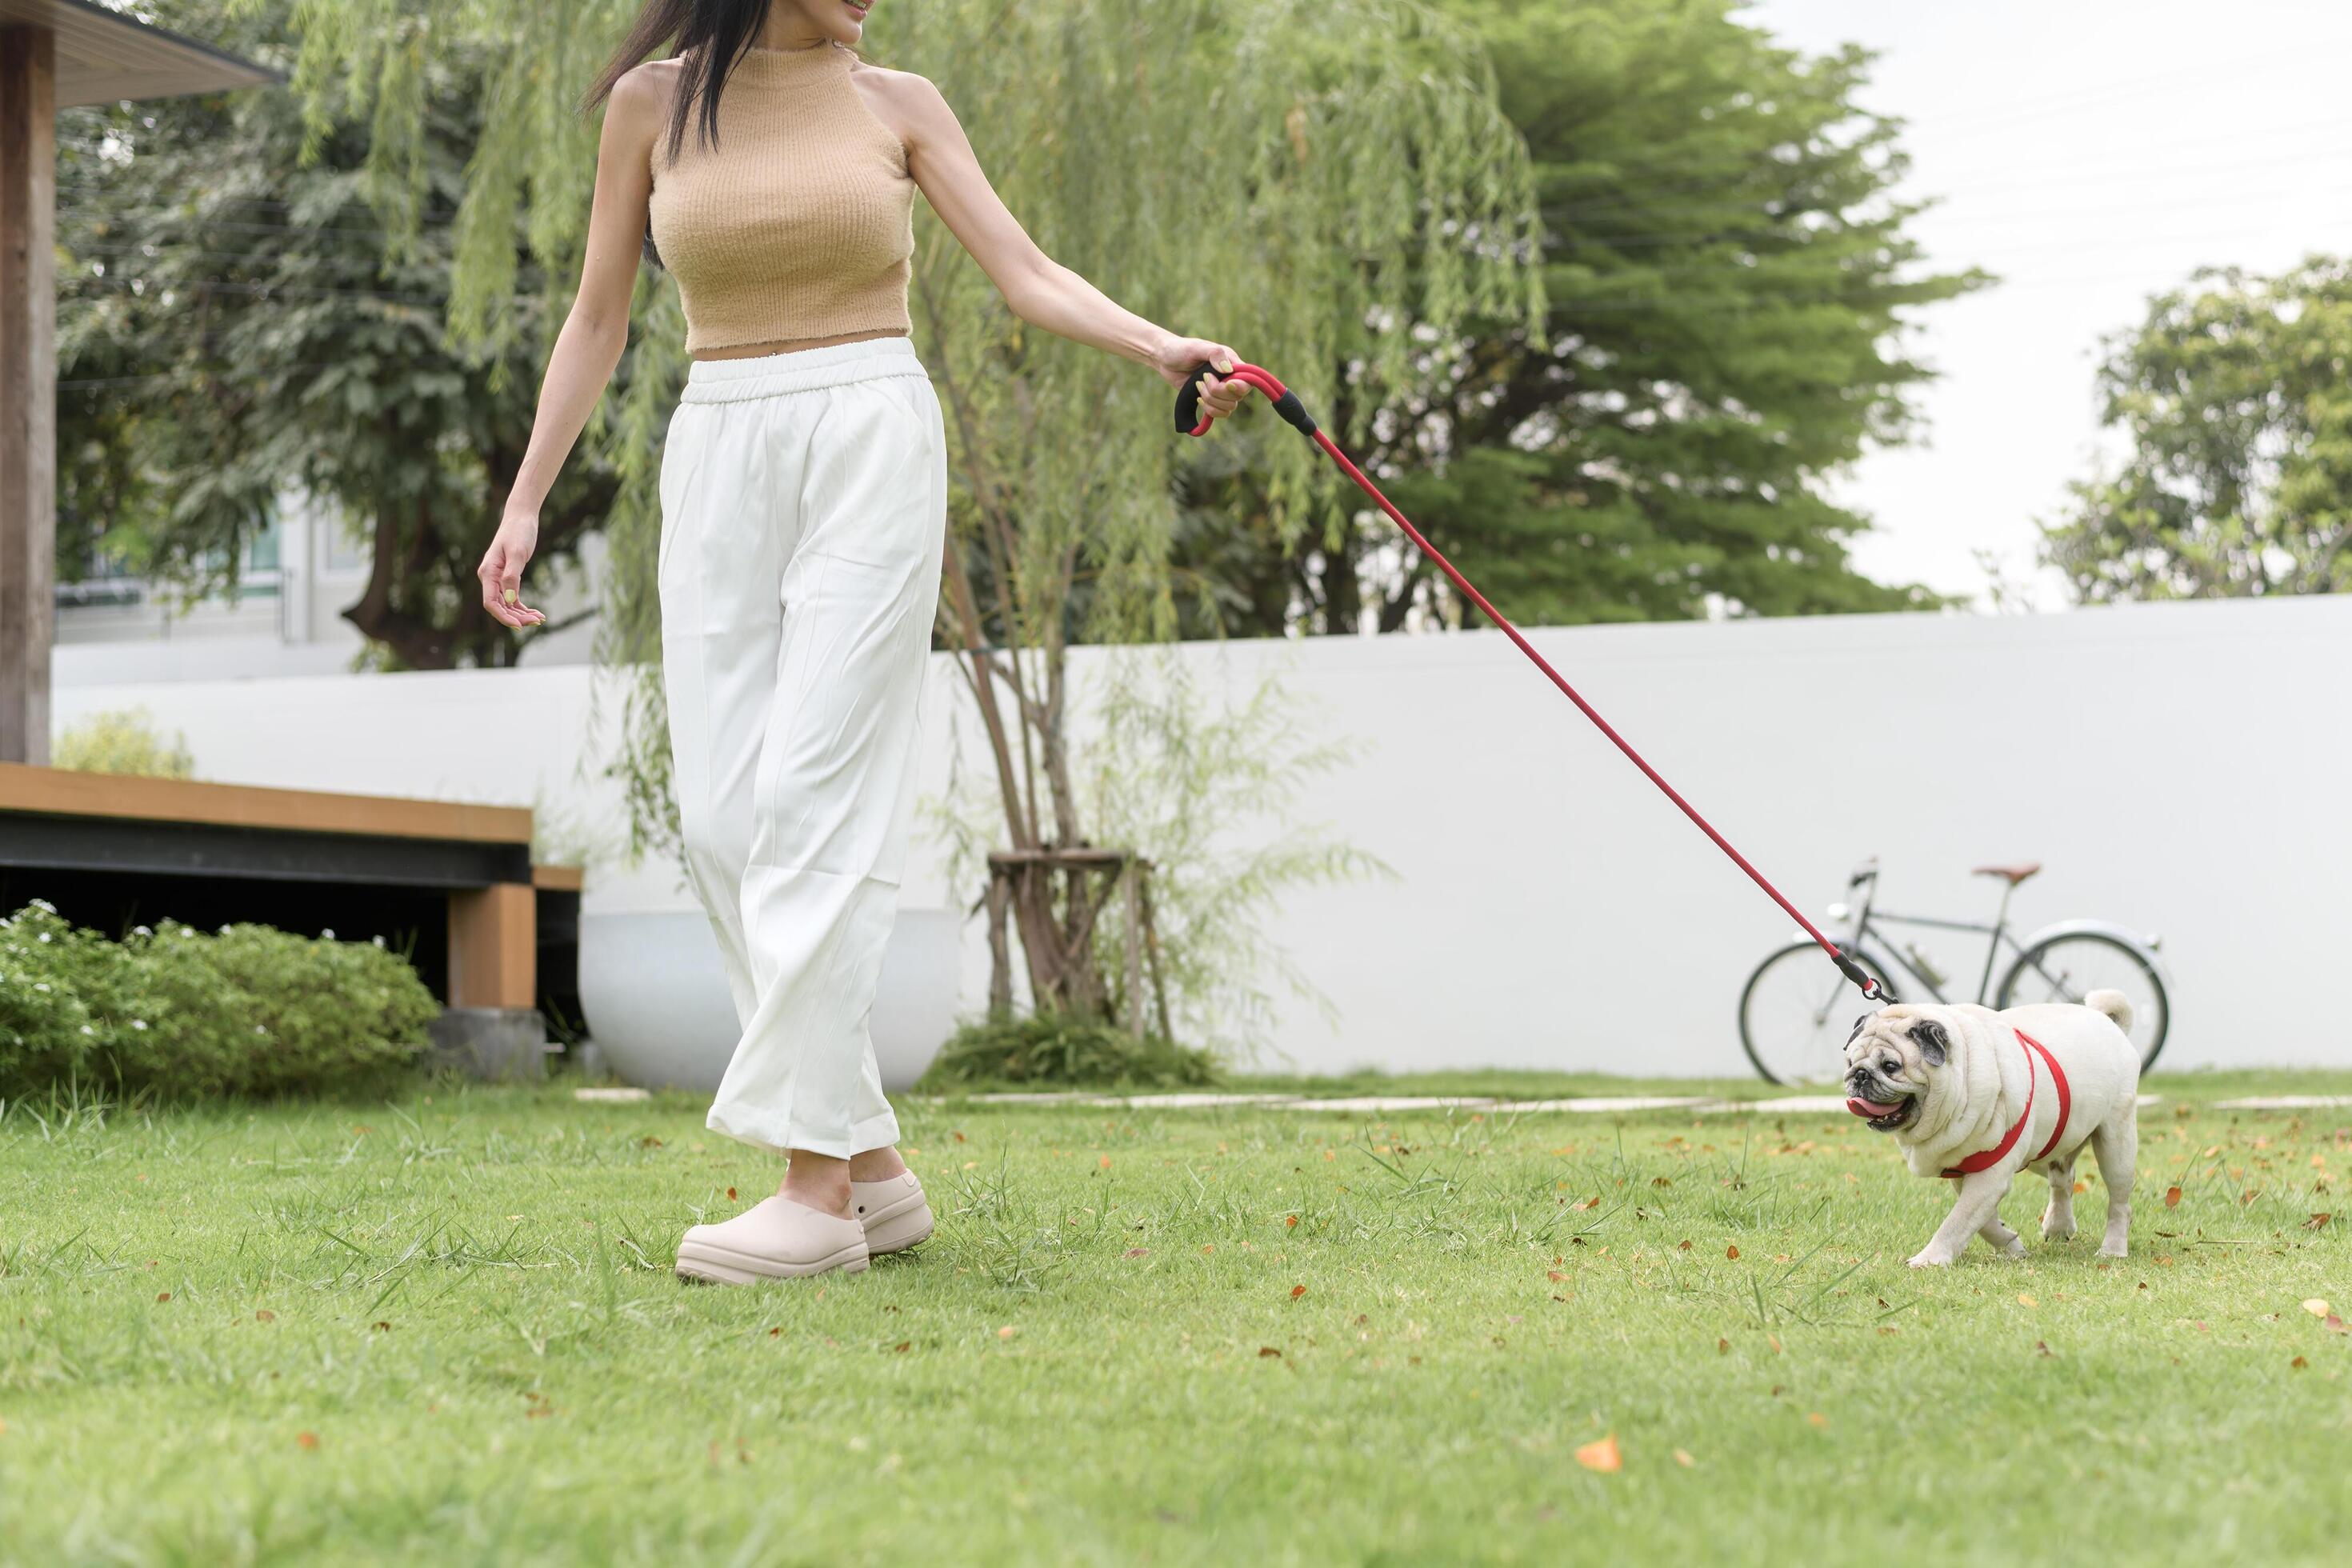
796, 229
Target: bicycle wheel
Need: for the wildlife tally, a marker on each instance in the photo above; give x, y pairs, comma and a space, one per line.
1793, 1017
2068, 968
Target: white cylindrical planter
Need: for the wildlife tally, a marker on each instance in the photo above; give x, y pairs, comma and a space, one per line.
657, 1004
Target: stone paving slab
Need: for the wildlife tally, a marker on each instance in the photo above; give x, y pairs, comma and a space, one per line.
1607, 1104
1391, 1102
1791, 1103
1174, 1101
2285, 1103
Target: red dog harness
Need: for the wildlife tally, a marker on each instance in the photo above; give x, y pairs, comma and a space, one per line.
1994, 1155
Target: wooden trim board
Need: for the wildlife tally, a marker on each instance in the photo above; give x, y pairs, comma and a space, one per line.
58, 793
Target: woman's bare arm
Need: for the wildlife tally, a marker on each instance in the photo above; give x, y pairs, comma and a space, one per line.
1041, 290
594, 334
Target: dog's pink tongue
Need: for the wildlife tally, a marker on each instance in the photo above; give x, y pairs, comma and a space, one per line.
1864, 1108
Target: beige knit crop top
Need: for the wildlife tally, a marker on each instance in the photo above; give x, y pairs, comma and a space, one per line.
800, 223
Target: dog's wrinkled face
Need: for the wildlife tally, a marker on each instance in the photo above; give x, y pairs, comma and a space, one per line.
1888, 1061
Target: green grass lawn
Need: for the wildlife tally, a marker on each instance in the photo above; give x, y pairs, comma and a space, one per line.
446, 1329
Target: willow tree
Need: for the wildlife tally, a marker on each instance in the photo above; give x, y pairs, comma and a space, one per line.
1327, 184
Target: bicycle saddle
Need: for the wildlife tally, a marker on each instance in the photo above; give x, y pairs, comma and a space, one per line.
2014, 874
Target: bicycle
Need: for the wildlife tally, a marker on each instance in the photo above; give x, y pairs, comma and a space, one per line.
1794, 1031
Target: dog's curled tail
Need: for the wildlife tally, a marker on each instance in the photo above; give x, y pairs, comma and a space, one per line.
2115, 1004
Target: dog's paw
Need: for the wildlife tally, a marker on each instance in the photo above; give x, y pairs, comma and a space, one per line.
1929, 1260
2012, 1250
2116, 1250
2057, 1230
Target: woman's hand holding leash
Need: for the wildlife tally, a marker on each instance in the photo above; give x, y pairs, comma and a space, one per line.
1180, 360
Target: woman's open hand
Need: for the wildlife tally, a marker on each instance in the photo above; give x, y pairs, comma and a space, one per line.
501, 570
1175, 362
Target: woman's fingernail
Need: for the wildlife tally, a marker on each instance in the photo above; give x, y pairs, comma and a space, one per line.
512, 596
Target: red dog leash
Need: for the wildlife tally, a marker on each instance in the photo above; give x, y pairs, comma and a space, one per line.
1191, 421
1992, 1156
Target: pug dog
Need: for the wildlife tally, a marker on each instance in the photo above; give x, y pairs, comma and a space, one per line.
1979, 1096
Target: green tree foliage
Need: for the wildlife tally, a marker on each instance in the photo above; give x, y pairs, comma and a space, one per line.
2233, 398
1724, 268
238, 323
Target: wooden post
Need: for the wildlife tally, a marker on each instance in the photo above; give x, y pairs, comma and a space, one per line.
1152, 951
999, 951
29, 387
494, 946
1131, 885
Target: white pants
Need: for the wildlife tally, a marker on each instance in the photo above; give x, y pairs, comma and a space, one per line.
803, 512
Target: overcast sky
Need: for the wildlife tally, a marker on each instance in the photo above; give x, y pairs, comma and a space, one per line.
2090, 152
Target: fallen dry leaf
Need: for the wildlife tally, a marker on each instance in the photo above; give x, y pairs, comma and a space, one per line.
1684, 1247
1682, 1457
1732, 1252
1722, 1347
1105, 1162
1138, 1252
903, 1345
265, 1316
1601, 1455
2172, 1197
2298, 1364
164, 1296
1291, 1223
2042, 1347
1296, 1291
307, 1439
730, 1194
2025, 1300
2317, 1221
1817, 1418
2334, 1324
1265, 1351
2315, 1306
1007, 1331
1555, 1275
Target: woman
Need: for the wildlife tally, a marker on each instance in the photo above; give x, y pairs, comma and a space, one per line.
803, 494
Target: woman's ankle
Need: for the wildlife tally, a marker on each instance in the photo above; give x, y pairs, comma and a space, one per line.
820, 1182
877, 1165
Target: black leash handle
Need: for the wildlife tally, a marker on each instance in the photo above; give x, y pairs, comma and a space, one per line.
1189, 421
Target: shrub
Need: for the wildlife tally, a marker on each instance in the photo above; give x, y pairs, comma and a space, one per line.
123, 741
178, 1013
1051, 1049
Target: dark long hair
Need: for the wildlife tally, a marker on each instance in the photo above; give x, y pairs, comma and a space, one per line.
708, 37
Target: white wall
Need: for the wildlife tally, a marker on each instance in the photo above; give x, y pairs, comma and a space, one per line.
2179, 768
